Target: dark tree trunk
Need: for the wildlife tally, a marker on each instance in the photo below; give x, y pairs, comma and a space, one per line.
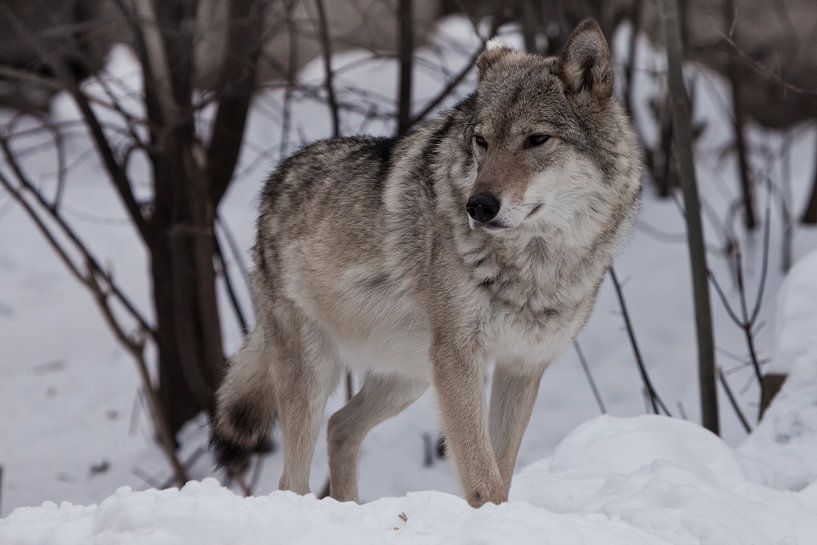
191, 358
695, 235
810, 213
405, 48
182, 251
177, 398
733, 73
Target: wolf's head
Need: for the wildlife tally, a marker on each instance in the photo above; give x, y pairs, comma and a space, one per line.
549, 141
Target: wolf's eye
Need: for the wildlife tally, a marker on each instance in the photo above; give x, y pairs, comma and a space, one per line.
536, 140
481, 142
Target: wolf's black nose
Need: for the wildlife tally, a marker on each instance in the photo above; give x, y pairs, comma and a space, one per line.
483, 207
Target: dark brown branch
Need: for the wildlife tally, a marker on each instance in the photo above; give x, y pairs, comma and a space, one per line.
733, 74
655, 400
697, 252
460, 76
809, 216
235, 250
136, 349
133, 346
291, 82
590, 379
228, 284
326, 52
238, 75
115, 172
405, 54
42, 227
746, 320
765, 72
632, 56
69, 232
734, 402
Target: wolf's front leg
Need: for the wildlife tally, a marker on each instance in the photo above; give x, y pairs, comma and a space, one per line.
513, 393
457, 380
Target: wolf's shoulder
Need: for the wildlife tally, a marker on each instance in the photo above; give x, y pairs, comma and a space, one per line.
341, 158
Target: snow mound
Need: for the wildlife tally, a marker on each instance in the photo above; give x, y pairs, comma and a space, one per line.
646, 480
782, 450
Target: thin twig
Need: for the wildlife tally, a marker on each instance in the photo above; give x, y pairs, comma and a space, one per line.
765, 72
114, 169
326, 51
589, 375
733, 401
655, 399
68, 231
632, 56
228, 285
456, 80
234, 250
136, 349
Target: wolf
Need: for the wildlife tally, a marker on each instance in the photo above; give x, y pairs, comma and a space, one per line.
479, 239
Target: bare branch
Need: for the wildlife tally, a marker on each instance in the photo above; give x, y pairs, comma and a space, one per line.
733, 74
456, 80
765, 72
115, 172
697, 250
136, 349
238, 76
655, 400
89, 277
69, 232
228, 284
734, 402
590, 379
405, 53
326, 51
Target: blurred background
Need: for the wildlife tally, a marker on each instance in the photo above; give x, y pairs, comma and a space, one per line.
134, 139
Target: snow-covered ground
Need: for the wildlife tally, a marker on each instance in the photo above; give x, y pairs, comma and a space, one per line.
648, 480
72, 426
782, 450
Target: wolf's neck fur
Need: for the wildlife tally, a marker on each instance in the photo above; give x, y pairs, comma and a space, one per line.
535, 274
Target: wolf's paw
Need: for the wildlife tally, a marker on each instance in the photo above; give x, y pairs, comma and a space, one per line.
487, 494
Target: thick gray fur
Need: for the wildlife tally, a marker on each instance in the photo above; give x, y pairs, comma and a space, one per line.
366, 259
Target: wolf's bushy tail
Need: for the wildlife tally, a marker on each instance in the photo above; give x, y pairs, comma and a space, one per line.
245, 404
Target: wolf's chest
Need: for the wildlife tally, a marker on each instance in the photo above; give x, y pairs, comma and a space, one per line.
511, 336
533, 311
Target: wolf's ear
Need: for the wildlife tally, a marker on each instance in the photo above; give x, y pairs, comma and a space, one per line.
495, 49
585, 62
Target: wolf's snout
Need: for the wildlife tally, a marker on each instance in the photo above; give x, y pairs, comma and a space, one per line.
483, 207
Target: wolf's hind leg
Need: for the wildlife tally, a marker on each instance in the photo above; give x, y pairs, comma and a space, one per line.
512, 397
380, 398
305, 375
245, 403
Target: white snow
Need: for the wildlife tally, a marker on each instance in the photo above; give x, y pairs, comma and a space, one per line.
496, 43
782, 450
614, 481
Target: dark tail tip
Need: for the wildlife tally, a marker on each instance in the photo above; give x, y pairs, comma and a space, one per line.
228, 453
238, 435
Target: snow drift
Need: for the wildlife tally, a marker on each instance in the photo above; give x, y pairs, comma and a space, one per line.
613, 481
782, 450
